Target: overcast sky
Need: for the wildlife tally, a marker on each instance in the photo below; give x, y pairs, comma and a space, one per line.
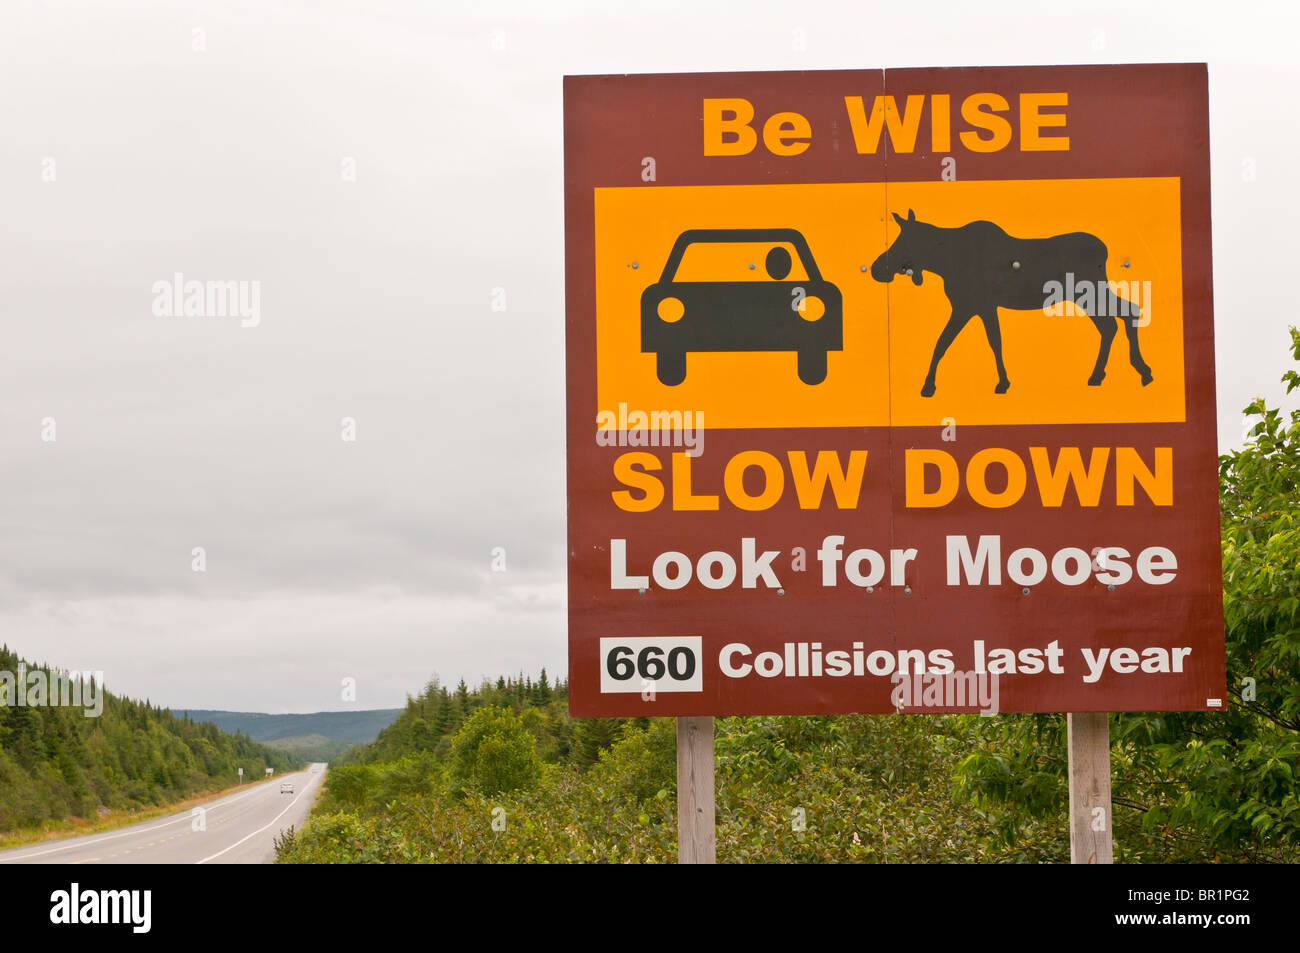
138, 140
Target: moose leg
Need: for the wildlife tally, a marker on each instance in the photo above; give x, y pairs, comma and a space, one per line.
957, 321
1132, 318
1112, 306
994, 332
1106, 328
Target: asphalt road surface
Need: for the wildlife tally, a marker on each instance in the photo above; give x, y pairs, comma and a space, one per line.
239, 828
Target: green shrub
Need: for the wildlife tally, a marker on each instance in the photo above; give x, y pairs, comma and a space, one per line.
493, 753
640, 764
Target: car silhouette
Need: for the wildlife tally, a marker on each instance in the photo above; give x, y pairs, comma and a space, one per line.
746, 309
286, 787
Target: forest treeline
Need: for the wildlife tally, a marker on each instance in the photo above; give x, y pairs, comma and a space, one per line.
57, 763
431, 720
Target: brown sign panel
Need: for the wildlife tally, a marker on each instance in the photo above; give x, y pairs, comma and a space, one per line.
891, 391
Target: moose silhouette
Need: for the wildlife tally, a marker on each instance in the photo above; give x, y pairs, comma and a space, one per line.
983, 269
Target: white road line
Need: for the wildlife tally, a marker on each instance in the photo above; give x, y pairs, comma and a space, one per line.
254, 834
98, 839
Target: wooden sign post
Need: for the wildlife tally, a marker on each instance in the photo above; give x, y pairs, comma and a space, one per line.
696, 837
1088, 740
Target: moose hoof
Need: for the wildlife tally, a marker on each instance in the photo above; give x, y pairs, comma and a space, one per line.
928, 389
1096, 379
1002, 387
1146, 378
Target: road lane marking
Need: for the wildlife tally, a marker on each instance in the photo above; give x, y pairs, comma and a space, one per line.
97, 838
254, 834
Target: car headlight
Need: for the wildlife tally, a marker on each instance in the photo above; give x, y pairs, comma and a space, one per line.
811, 308
671, 309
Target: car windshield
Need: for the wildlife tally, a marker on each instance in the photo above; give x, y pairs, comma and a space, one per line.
740, 261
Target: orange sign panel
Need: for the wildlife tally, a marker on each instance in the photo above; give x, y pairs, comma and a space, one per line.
877, 374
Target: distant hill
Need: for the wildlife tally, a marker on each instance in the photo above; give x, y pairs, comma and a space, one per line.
311, 747
317, 736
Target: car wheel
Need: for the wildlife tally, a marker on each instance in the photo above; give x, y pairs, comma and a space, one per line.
671, 368
812, 366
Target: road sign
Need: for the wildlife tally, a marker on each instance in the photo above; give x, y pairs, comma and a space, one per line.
891, 391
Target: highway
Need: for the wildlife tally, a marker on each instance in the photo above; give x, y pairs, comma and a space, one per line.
239, 828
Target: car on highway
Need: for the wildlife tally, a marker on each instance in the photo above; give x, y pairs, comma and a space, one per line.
712, 296
286, 787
